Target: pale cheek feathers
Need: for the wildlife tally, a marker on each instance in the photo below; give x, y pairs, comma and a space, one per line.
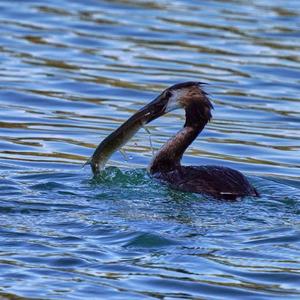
174, 100
181, 98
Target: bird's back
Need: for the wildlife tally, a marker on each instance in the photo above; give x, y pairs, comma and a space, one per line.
219, 182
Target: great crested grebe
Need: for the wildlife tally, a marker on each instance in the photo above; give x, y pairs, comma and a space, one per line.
217, 181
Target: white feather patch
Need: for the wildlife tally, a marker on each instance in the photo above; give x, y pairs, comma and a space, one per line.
174, 102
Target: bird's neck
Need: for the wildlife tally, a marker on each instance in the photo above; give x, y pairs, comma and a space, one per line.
169, 156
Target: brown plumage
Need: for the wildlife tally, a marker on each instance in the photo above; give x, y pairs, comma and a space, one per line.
219, 182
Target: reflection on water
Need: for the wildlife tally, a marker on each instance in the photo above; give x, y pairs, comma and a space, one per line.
71, 72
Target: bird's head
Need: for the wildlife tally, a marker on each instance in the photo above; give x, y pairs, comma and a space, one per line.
188, 95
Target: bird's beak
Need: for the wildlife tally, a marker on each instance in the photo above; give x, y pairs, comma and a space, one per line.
152, 110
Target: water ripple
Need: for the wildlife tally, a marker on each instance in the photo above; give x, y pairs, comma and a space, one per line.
74, 71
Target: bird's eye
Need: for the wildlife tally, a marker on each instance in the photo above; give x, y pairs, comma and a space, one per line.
168, 94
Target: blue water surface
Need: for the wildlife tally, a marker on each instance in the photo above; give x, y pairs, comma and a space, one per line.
73, 71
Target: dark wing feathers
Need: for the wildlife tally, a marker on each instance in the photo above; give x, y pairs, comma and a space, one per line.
216, 181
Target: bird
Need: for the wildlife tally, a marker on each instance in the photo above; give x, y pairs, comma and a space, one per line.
216, 181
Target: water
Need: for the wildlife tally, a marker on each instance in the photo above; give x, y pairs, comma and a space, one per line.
71, 72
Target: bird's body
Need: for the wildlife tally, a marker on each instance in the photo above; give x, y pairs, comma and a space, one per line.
216, 181
219, 182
